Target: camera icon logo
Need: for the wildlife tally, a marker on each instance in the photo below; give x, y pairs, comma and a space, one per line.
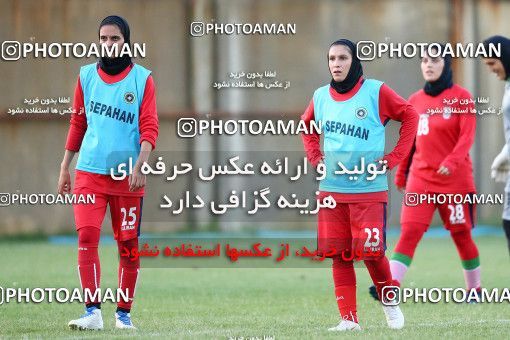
365, 50
197, 29
11, 50
411, 199
187, 127
390, 295
5, 199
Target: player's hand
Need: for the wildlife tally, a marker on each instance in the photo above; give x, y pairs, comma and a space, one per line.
401, 189
321, 161
500, 176
382, 164
502, 160
64, 182
500, 166
137, 180
443, 171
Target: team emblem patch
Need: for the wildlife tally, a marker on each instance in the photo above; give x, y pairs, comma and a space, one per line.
361, 113
129, 97
447, 112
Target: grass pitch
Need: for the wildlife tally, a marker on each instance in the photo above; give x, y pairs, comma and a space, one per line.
251, 303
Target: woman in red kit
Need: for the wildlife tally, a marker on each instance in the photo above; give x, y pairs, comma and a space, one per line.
353, 111
439, 164
119, 122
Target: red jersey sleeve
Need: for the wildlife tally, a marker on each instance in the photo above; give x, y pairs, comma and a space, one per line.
311, 139
78, 121
404, 166
403, 169
466, 138
392, 106
148, 118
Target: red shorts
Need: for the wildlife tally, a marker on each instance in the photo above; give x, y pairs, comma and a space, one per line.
125, 211
358, 227
454, 216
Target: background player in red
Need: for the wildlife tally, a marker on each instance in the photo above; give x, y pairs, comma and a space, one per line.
353, 112
439, 164
115, 117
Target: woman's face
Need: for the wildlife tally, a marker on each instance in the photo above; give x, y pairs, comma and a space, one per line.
431, 68
109, 35
496, 66
340, 60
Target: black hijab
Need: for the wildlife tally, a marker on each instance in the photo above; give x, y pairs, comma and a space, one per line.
505, 51
445, 80
355, 72
114, 66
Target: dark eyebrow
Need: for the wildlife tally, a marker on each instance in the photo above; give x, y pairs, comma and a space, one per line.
113, 36
343, 55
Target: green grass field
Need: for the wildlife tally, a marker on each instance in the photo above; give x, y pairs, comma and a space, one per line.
223, 303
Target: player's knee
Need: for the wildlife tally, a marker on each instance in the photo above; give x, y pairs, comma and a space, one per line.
461, 237
374, 261
338, 262
88, 237
128, 261
413, 233
465, 244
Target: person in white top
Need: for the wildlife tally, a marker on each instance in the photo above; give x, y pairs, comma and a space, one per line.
500, 168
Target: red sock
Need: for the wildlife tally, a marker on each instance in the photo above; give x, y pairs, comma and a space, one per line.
410, 236
344, 278
379, 270
128, 273
89, 268
465, 244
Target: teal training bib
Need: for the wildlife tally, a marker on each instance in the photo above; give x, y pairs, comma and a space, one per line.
113, 134
351, 129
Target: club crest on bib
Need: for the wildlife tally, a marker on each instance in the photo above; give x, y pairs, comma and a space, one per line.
361, 113
447, 112
129, 97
